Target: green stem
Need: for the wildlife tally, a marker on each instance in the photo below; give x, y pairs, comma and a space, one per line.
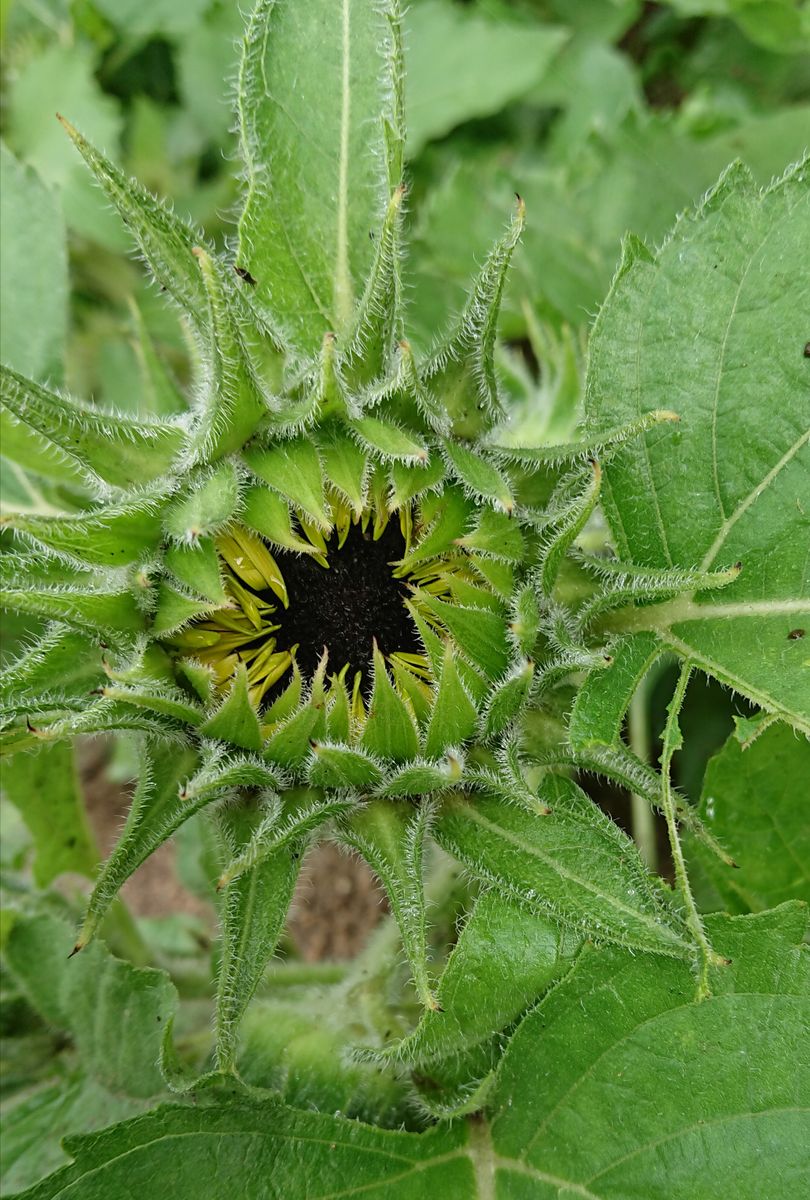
672, 741
642, 817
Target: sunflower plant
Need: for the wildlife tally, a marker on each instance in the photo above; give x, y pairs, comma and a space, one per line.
333, 592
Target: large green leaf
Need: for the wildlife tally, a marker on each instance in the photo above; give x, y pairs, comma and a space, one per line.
618, 1085
315, 187
35, 1122
33, 292
714, 327
755, 803
262, 1150
113, 1015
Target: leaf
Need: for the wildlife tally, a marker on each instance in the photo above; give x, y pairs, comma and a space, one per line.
679, 1100
235, 720
107, 537
389, 441
254, 910
166, 242
33, 293
62, 78
754, 803
389, 731
639, 177
293, 469
252, 1142
114, 1012
483, 480
158, 808
315, 188
49, 432
573, 864
36, 1122
461, 65
45, 789
604, 698
505, 957
707, 327
776, 25
391, 838
148, 18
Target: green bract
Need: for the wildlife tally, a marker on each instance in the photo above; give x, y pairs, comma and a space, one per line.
345, 589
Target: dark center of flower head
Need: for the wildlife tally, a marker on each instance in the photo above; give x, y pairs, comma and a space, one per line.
349, 605
343, 597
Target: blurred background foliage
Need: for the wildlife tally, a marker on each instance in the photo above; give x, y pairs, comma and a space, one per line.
606, 115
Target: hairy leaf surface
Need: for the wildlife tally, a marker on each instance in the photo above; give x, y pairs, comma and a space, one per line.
714, 328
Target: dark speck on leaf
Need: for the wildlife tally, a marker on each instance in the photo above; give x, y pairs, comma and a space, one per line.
807, 349
795, 635
245, 274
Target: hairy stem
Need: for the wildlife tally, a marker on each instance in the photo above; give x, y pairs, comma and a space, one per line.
672, 742
642, 817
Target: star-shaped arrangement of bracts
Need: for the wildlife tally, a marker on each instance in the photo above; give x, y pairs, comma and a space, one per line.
204, 554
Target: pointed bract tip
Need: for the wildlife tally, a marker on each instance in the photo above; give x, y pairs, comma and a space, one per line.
70, 129
80, 945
